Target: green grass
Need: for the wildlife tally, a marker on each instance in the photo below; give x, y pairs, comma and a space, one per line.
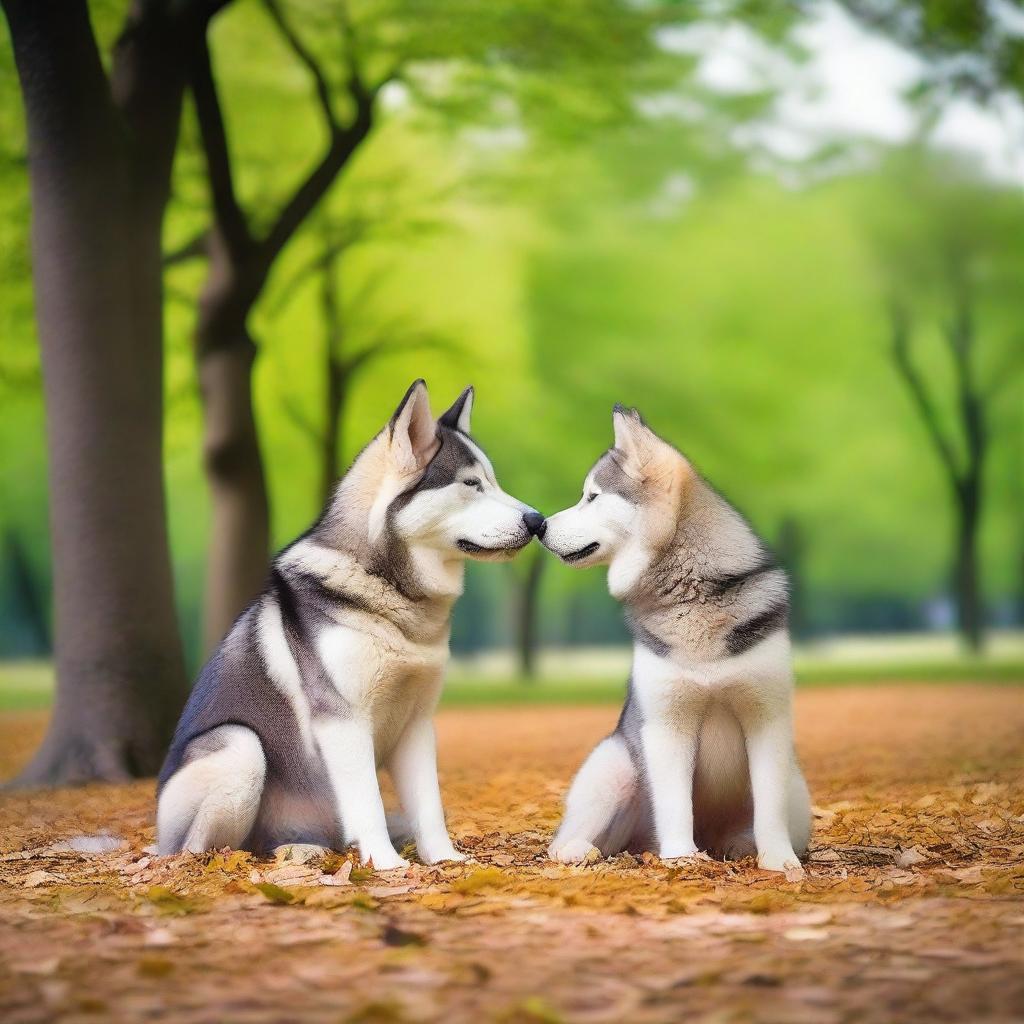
469, 692
28, 686
959, 669
462, 692
25, 685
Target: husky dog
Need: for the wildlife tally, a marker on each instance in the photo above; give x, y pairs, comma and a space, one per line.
335, 669
702, 758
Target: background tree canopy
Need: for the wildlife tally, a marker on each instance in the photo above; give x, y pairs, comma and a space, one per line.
564, 207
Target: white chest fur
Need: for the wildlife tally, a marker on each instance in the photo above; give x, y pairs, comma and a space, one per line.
384, 684
668, 688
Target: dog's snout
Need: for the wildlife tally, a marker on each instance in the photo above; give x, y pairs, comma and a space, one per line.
535, 522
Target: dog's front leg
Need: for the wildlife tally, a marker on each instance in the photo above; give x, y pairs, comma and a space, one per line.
414, 769
769, 738
670, 749
347, 750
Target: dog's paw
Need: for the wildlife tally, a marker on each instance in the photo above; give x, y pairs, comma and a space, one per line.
782, 860
384, 861
739, 848
680, 851
574, 851
440, 853
683, 862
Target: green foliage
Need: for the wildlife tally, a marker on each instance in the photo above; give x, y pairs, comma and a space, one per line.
526, 199
971, 46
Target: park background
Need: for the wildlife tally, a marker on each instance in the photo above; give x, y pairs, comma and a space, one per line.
792, 236
233, 231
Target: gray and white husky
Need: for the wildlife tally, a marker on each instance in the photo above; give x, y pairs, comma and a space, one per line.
702, 758
335, 670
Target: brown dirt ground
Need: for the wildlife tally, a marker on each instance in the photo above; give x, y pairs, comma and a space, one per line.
912, 908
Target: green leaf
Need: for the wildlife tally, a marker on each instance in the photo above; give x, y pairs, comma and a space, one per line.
275, 893
169, 902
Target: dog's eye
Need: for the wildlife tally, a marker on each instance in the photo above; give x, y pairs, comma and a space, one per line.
472, 481
591, 496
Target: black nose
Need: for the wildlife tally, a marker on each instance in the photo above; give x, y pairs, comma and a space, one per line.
535, 523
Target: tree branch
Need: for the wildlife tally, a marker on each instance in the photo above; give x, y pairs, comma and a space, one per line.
306, 58
65, 89
229, 216
900, 347
343, 141
386, 344
960, 334
190, 250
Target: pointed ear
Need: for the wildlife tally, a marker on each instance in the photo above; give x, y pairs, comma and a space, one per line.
629, 430
412, 431
645, 456
457, 417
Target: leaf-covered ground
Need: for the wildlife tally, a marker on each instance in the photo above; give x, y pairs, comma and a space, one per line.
912, 908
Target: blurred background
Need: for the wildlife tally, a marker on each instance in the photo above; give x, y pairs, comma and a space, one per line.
792, 235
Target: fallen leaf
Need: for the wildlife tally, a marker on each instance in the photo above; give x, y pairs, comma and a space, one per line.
40, 877
911, 856
482, 878
169, 902
275, 893
340, 877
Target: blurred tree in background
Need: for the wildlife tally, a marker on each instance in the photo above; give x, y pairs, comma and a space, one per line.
464, 67
951, 253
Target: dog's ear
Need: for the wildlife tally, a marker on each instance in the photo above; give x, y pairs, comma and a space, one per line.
412, 432
457, 417
645, 456
630, 434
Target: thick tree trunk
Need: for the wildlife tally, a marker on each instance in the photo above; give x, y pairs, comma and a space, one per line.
526, 616
98, 193
966, 582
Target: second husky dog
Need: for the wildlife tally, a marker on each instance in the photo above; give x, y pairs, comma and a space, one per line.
702, 758
336, 668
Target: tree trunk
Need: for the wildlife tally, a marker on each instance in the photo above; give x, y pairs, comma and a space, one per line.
239, 539
330, 462
526, 616
966, 583
337, 375
97, 205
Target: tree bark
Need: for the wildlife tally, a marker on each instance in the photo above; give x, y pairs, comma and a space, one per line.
526, 616
966, 582
239, 538
99, 167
